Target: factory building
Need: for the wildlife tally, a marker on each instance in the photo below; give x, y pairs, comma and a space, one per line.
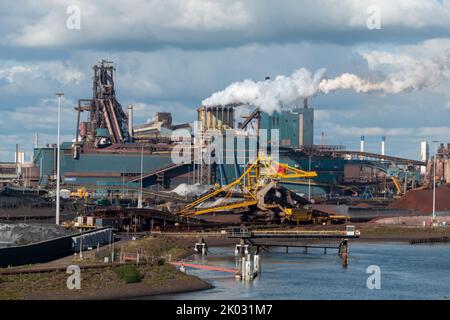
216, 118
109, 150
8, 173
296, 126
442, 162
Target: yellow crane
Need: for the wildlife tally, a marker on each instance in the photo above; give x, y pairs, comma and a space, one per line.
259, 178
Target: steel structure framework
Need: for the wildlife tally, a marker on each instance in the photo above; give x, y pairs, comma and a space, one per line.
253, 185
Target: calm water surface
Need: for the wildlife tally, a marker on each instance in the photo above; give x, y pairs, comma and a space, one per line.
407, 272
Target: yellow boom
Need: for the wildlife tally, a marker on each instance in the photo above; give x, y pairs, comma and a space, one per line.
397, 185
259, 174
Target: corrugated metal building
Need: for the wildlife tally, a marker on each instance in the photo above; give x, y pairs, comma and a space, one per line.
296, 126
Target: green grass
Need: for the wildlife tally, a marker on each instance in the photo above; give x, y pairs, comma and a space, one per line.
128, 273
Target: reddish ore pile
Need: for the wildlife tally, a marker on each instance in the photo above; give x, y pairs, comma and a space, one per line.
422, 200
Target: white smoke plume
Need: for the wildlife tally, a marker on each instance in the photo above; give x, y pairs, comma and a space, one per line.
413, 74
405, 74
269, 95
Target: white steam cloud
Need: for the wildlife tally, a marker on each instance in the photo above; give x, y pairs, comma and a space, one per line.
405, 74
270, 95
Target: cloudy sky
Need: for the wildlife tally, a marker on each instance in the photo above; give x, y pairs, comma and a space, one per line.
172, 54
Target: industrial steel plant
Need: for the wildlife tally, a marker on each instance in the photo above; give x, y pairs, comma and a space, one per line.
112, 186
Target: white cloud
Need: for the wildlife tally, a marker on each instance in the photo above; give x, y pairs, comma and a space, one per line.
415, 14
157, 21
55, 70
186, 23
9, 74
322, 115
171, 54
440, 132
39, 118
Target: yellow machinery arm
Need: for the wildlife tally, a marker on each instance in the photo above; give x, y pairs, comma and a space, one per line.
220, 190
397, 185
261, 172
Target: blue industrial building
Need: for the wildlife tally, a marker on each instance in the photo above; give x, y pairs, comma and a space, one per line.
296, 126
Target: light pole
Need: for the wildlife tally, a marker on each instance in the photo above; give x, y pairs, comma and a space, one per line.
309, 180
58, 155
434, 180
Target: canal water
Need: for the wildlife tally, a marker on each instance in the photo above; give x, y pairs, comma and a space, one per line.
407, 272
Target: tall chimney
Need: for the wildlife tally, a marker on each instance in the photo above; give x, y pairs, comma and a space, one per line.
424, 155
16, 156
36, 140
362, 144
130, 121
383, 145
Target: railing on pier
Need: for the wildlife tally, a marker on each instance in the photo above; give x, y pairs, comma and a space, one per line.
239, 232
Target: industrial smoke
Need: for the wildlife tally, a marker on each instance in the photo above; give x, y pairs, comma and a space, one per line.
272, 95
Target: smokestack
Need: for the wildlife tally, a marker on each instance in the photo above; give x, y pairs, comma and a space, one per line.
16, 156
362, 144
383, 145
36, 140
130, 121
424, 155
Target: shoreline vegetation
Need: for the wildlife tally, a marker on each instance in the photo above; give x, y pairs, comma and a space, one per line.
153, 276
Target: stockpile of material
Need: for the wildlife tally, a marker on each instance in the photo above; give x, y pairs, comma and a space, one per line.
24, 233
422, 200
191, 189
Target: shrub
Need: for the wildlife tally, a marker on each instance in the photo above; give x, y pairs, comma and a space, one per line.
161, 261
21, 242
128, 273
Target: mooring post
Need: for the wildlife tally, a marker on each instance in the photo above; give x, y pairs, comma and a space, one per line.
238, 265
248, 269
343, 252
237, 249
204, 249
256, 263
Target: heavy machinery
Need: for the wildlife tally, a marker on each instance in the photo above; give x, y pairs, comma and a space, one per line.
257, 190
309, 215
397, 186
81, 193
